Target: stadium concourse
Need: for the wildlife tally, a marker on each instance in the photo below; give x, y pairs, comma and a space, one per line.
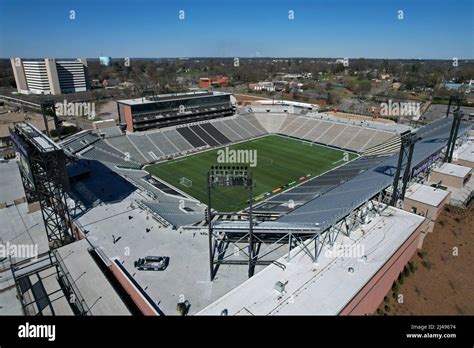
130, 214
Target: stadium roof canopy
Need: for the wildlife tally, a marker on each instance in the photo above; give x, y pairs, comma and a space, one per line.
168, 97
334, 205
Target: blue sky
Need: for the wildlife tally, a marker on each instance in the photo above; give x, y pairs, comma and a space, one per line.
237, 28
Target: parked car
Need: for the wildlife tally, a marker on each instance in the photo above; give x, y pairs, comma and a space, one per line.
152, 263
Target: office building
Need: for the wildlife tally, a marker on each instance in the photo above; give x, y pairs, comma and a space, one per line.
50, 76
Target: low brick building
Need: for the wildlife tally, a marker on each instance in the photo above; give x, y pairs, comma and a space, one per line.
209, 82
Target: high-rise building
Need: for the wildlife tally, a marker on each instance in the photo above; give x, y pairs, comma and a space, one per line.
50, 76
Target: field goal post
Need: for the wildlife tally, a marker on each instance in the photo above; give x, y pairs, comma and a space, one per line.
186, 182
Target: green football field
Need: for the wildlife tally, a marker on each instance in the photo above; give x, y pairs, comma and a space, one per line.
281, 163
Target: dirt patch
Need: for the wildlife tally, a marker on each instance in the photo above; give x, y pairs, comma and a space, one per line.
247, 98
442, 282
108, 110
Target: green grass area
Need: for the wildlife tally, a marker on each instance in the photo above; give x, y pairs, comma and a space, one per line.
280, 160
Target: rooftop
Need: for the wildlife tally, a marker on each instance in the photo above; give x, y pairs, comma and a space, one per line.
466, 152
94, 287
426, 194
18, 225
20, 229
453, 170
11, 187
126, 232
168, 97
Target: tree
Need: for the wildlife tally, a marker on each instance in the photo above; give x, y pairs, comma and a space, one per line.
364, 87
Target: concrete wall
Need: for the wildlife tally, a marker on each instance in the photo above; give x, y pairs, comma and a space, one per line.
426, 210
132, 291
369, 298
423, 234
19, 73
103, 124
447, 180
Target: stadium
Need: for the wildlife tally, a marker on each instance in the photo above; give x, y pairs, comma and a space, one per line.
250, 210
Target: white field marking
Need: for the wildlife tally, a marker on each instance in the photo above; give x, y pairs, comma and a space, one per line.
175, 161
